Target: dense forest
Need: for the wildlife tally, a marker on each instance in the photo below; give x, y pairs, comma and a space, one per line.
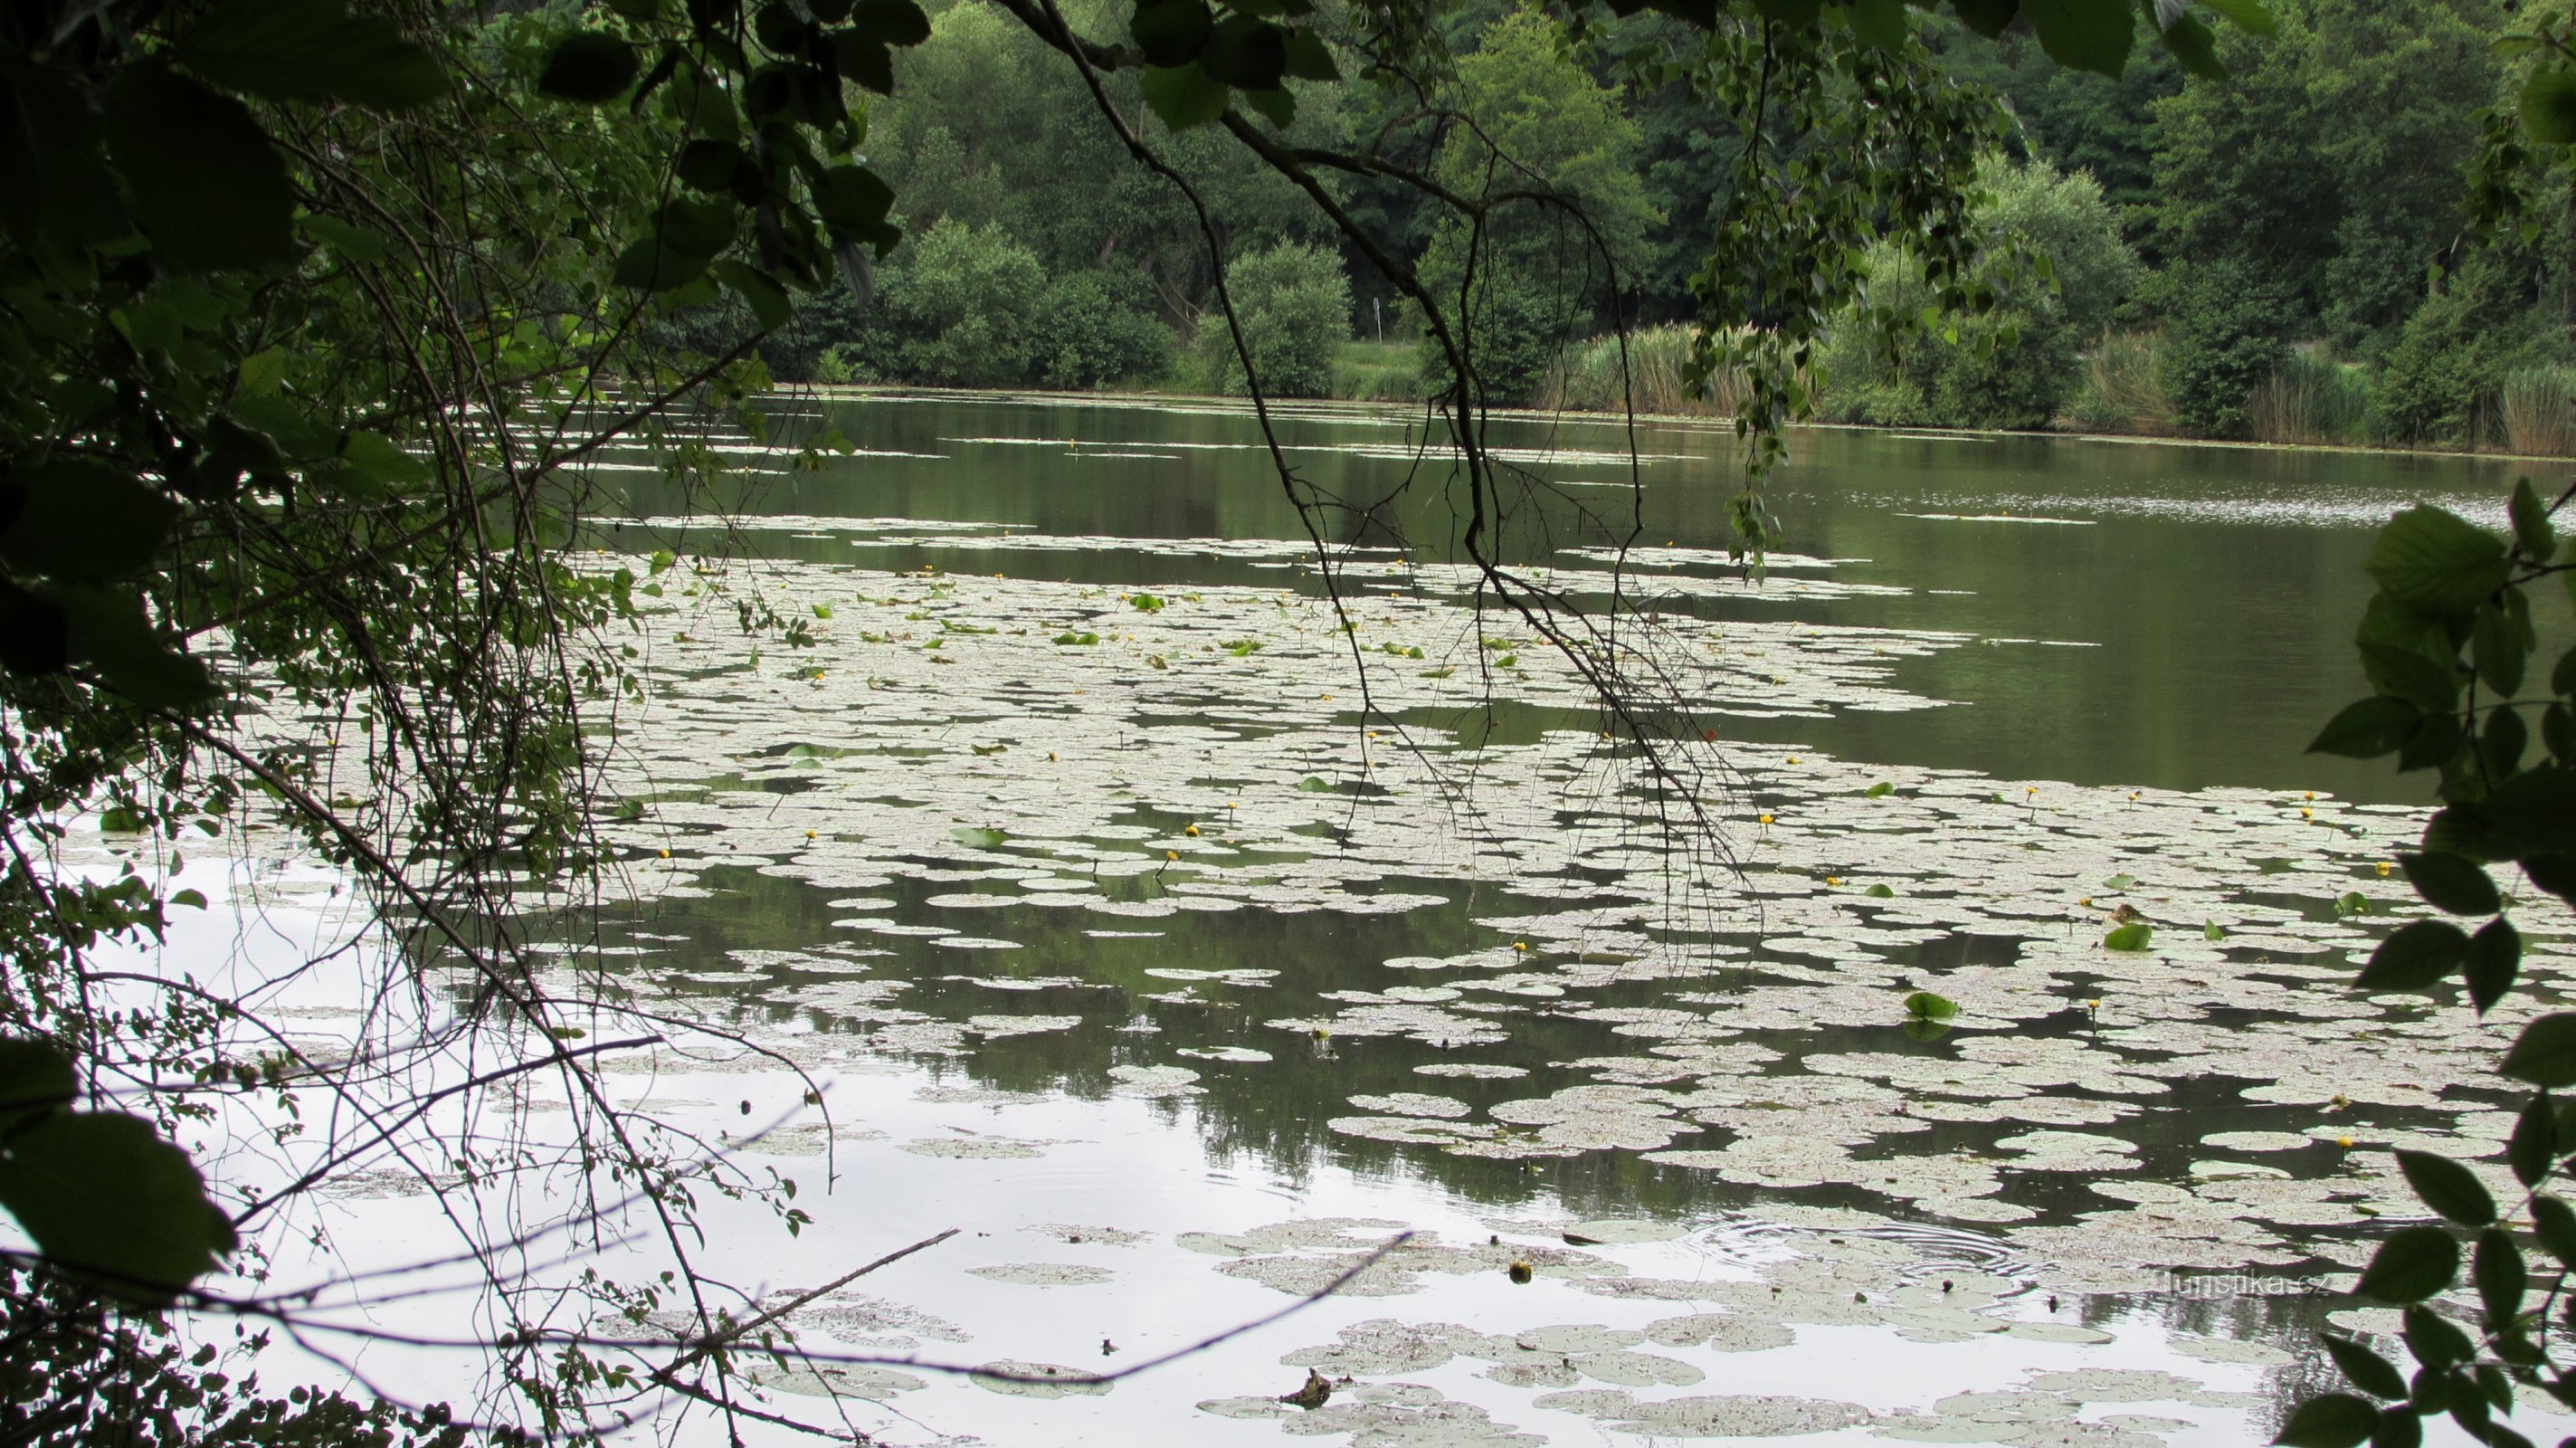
2284, 255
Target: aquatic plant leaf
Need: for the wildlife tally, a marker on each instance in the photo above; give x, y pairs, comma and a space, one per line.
2413, 1264
2450, 882
2336, 1420
1925, 1028
2136, 935
1924, 1005
2448, 1187
2414, 956
2545, 1053
2365, 1369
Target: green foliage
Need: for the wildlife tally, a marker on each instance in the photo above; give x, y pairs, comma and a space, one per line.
1294, 305
2447, 644
1084, 336
968, 306
2015, 364
2444, 379
2224, 337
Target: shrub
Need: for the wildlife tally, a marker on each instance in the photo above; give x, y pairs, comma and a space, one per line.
1085, 336
2223, 339
967, 307
1515, 331
2444, 380
1295, 305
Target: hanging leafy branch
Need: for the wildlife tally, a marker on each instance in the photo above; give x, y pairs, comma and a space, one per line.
2448, 642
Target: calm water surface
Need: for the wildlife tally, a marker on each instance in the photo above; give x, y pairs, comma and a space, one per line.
2112, 617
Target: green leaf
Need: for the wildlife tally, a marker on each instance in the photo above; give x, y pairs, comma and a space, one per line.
2190, 41
2447, 1187
2496, 1267
864, 60
35, 1078
2429, 684
1880, 790
2413, 1264
2336, 1420
2363, 1368
1170, 32
2451, 883
1309, 58
2548, 105
2136, 935
383, 460
2531, 528
110, 1202
2545, 1053
1278, 107
2415, 956
1879, 892
77, 518
2092, 35
2434, 1340
2534, 1143
1986, 17
890, 22
1925, 1028
2211, 931
2554, 1223
2368, 729
207, 186
768, 301
262, 372
1183, 96
107, 630
853, 198
2496, 642
1246, 54
311, 50
2495, 957
357, 243
589, 67
2246, 15
193, 899
2438, 562
1924, 1005
1879, 23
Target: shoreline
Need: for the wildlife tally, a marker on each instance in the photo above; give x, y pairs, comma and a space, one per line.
828, 390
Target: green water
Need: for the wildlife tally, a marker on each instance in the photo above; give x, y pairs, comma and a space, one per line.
2184, 621
2113, 618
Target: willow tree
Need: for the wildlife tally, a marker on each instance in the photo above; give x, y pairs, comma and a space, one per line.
312, 315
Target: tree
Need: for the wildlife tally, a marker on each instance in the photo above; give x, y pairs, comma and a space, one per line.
968, 307
1294, 307
2057, 263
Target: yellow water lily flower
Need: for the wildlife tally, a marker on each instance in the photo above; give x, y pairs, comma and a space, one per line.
1766, 819
1192, 832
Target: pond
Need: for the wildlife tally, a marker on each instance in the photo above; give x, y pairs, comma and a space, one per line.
1182, 942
